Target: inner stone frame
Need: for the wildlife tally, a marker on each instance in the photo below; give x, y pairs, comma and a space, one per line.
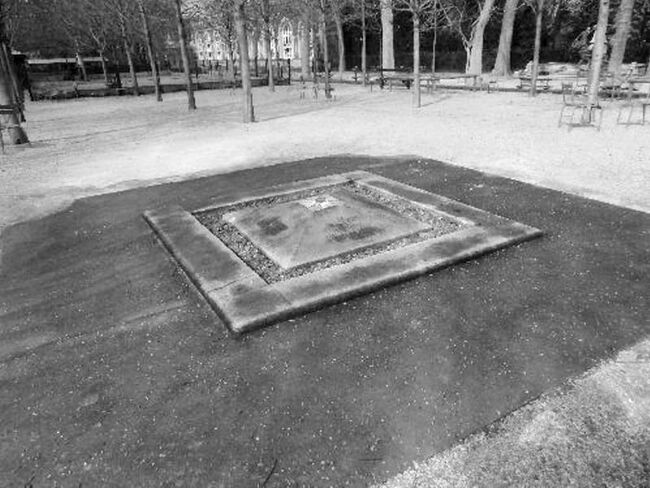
435, 224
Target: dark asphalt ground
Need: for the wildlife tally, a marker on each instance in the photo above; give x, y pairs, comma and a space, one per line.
114, 372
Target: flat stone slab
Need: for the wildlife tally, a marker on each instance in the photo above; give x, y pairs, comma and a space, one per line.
318, 227
304, 245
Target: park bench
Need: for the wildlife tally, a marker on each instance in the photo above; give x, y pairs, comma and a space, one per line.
388, 76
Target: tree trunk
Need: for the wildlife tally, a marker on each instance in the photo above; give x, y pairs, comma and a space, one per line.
623, 25
364, 58
255, 38
502, 64
598, 51
155, 75
341, 45
242, 38
326, 61
129, 56
266, 18
304, 50
104, 67
16, 133
182, 39
82, 66
476, 49
269, 56
316, 53
132, 72
387, 49
539, 13
416, 61
435, 39
230, 68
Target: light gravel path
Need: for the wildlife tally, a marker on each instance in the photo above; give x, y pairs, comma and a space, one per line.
90, 146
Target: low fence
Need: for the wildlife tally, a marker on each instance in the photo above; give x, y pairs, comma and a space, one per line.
59, 91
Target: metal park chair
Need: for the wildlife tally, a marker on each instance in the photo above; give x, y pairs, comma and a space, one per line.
576, 102
632, 102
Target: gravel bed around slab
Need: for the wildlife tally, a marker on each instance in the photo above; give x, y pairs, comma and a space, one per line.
437, 225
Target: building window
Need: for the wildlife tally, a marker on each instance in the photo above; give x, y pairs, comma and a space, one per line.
287, 37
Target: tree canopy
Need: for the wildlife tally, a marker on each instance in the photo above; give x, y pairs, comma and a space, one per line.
51, 28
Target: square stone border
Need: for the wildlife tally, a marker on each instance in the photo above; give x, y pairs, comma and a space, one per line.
244, 301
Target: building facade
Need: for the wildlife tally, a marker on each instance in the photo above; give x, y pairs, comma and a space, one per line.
210, 49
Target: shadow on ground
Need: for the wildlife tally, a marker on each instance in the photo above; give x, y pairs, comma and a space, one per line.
114, 372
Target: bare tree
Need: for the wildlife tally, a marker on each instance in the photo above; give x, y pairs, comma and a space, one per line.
150, 49
304, 46
98, 22
182, 40
14, 19
435, 24
387, 35
240, 27
469, 20
364, 47
317, 10
265, 12
337, 14
502, 65
538, 7
218, 15
70, 16
598, 52
323, 36
476, 47
418, 9
125, 20
254, 40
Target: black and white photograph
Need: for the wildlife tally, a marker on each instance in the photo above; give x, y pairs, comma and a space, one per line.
324, 243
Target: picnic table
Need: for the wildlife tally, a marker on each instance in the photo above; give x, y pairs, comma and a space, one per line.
388, 76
